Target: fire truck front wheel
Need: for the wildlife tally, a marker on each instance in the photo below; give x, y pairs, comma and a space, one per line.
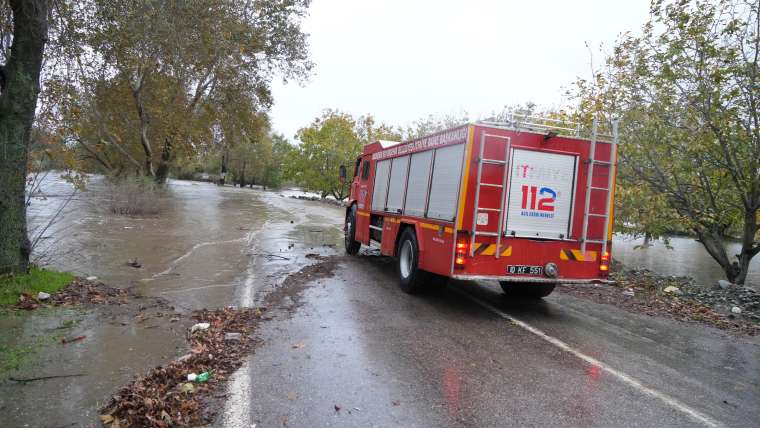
352, 245
535, 291
411, 278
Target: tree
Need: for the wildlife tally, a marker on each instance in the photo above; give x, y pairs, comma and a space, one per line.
432, 124
330, 141
687, 91
275, 171
185, 68
19, 86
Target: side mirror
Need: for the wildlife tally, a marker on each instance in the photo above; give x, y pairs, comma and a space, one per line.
342, 173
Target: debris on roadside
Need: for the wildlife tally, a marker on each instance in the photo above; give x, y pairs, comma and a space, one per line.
649, 293
167, 396
233, 336
199, 378
74, 339
200, 327
79, 291
673, 290
26, 301
84, 291
134, 263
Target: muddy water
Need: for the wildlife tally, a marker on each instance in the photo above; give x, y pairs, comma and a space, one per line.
204, 249
686, 257
209, 247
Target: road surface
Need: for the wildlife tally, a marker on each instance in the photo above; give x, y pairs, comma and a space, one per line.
351, 349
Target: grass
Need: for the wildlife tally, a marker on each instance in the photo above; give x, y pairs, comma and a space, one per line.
38, 279
12, 357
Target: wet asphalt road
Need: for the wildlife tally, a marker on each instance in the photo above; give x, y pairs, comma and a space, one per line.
359, 352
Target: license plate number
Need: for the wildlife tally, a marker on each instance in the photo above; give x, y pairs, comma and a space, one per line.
524, 270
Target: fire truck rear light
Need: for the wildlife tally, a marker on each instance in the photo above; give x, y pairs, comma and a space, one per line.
604, 267
606, 256
461, 246
459, 260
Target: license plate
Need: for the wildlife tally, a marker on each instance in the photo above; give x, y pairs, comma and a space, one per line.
524, 270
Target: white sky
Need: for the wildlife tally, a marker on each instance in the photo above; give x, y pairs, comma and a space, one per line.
402, 60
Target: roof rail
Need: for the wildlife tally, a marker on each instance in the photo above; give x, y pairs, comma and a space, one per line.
541, 124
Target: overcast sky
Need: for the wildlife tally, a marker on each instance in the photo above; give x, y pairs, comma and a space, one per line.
402, 60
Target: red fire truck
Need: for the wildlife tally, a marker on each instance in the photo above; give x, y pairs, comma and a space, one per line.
518, 202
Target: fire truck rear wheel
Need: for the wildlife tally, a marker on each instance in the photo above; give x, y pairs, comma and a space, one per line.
534, 291
411, 279
352, 245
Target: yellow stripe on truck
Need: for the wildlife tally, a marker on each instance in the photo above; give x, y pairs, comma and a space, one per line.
431, 226
577, 255
490, 250
465, 176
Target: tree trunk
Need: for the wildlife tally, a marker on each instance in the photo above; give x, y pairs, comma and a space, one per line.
242, 176
18, 101
162, 172
137, 88
749, 249
713, 243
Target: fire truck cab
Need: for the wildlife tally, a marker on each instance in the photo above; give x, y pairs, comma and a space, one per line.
517, 202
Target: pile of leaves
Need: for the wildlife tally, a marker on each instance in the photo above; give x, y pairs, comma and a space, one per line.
82, 290
642, 291
79, 291
164, 397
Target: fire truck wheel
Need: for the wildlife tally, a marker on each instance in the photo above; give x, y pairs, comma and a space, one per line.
534, 291
352, 245
411, 278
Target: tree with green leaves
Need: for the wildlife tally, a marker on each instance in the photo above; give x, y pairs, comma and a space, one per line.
330, 141
23, 34
188, 69
687, 91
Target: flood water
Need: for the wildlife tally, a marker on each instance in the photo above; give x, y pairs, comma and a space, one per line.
204, 231
203, 249
686, 258
209, 246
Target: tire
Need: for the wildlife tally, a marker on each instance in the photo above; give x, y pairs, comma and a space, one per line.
352, 245
412, 280
531, 291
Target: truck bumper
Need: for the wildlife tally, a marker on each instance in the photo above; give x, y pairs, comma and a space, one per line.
531, 279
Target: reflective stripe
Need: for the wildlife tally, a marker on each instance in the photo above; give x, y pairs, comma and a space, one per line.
490, 249
436, 227
577, 255
363, 213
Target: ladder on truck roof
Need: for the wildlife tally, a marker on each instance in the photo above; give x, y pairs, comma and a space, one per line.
611, 164
502, 193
